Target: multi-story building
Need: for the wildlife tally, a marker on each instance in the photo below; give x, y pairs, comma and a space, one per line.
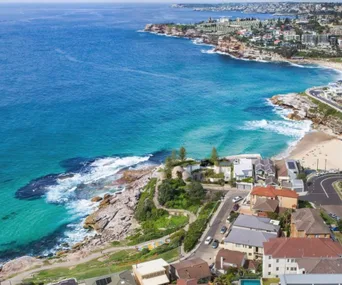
298, 255
248, 234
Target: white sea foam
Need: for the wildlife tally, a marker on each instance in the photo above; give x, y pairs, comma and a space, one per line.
287, 128
64, 193
101, 168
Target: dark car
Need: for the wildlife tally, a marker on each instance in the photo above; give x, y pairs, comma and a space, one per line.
215, 244
223, 229
236, 207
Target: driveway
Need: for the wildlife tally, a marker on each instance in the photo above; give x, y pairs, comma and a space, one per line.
206, 252
321, 191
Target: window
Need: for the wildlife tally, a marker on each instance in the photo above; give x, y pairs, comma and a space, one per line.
292, 260
269, 273
288, 260
277, 268
249, 253
287, 268
269, 265
249, 247
269, 257
237, 245
277, 260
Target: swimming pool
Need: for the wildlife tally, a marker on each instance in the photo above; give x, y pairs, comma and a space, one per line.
250, 282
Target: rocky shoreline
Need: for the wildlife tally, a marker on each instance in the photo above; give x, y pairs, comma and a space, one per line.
113, 220
225, 44
305, 109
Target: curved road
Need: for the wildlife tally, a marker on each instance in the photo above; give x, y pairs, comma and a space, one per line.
321, 190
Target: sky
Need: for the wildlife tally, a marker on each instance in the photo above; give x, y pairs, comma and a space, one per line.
151, 1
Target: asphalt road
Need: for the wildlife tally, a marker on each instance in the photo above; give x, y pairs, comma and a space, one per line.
316, 94
321, 191
206, 252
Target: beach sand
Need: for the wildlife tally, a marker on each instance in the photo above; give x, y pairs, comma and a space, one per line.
319, 147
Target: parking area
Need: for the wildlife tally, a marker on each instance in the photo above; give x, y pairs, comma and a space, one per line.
321, 191
206, 252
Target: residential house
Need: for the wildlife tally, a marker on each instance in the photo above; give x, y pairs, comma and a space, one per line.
188, 282
226, 258
243, 168
225, 167
285, 198
264, 169
248, 233
308, 223
284, 255
154, 272
195, 268
311, 279
287, 172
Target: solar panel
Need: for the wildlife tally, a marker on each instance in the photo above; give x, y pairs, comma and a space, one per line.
104, 281
291, 165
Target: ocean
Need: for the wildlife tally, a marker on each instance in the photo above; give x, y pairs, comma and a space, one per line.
84, 93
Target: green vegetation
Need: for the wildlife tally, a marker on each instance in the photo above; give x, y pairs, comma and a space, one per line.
235, 274
175, 194
269, 281
233, 216
196, 228
338, 188
155, 223
304, 204
111, 262
327, 219
182, 153
324, 109
214, 156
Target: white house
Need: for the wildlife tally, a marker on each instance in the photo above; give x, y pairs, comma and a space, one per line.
243, 168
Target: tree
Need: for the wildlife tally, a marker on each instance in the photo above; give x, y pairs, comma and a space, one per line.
174, 155
196, 191
182, 153
214, 156
168, 167
166, 192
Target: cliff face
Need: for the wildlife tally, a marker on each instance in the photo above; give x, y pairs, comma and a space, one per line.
303, 108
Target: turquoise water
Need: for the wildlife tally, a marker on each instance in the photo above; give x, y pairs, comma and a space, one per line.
83, 91
250, 282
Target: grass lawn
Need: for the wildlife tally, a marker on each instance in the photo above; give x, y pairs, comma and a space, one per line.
269, 281
171, 222
115, 262
338, 188
328, 220
338, 236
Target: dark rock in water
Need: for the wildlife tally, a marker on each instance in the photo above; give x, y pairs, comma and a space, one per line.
77, 164
9, 216
37, 187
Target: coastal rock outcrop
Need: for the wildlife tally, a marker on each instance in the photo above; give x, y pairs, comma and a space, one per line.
114, 218
305, 109
19, 264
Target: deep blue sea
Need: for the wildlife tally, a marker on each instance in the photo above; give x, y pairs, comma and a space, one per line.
84, 92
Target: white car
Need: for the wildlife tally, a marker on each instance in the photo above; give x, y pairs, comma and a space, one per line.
208, 240
237, 199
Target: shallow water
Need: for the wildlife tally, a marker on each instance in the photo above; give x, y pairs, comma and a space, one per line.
83, 91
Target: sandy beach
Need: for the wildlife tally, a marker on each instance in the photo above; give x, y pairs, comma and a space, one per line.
320, 148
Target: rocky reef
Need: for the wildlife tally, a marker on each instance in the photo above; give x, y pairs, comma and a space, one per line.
114, 218
303, 108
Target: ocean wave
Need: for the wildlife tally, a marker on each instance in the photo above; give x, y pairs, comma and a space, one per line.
294, 129
70, 188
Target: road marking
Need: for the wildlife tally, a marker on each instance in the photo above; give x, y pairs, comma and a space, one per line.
331, 184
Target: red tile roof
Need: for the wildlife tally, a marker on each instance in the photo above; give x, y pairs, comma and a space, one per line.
302, 247
272, 192
229, 256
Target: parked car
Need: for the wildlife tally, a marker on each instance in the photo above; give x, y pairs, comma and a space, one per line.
223, 229
208, 240
236, 207
215, 244
237, 199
